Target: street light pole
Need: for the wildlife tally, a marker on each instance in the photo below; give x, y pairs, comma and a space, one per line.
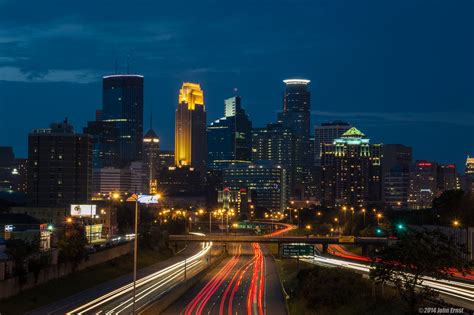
210, 222
135, 245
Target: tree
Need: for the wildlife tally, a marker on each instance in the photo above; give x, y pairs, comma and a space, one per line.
20, 250
72, 245
416, 255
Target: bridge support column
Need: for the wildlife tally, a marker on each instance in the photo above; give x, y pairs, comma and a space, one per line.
325, 248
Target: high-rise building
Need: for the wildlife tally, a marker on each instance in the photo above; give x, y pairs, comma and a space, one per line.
447, 178
350, 171
105, 142
277, 144
296, 117
396, 162
229, 138
190, 129
423, 184
123, 106
59, 166
129, 179
265, 180
151, 151
6, 162
468, 181
327, 133
239, 200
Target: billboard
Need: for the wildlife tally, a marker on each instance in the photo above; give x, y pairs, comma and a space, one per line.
148, 199
83, 210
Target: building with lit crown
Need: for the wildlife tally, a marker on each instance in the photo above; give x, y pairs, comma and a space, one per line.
423, 184
190, 129
351, 171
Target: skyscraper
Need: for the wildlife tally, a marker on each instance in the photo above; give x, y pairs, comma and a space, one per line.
190, 129
123, 106
59, 166
296, 117
468, 182
229, 138
423, 184
327, 133
396, 162
151, 151
277, 144
351, 173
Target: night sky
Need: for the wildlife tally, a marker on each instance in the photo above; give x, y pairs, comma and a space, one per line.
402, 71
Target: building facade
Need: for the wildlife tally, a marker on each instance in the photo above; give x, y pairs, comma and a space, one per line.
327, 133
122, 101
190, 129
59, 166
423, 184
396, 162
351, 171
151, 152
266, 181
229, 138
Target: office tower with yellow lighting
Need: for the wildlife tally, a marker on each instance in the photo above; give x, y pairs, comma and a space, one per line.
190, 129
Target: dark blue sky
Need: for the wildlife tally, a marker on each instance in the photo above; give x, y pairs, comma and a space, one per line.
402, 71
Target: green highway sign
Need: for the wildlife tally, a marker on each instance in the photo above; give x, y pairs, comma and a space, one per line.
289, 250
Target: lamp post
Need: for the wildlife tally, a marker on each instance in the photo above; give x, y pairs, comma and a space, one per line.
136, 199
210, 221
363, 212
379, 216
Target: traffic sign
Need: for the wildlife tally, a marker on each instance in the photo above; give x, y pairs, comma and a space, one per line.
346, 239
289, 250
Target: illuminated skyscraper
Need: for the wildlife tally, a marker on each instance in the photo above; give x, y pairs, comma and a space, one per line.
151, 151
296, 117
350, 169
190, 129
123, 107
229, 138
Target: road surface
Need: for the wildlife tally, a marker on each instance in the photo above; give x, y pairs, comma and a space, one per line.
115, 297
246, 283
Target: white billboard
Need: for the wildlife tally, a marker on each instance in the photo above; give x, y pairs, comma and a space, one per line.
83, 210
148, 199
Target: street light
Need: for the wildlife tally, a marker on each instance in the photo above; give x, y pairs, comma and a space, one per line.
379, 216
136, 198
363, 212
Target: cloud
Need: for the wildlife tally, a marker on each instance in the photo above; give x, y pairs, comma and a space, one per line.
399, 118
14, 74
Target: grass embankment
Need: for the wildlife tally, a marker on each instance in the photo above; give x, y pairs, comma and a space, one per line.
48, 292
320, 290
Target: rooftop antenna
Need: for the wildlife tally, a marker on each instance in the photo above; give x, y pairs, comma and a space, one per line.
151, 117
116, 66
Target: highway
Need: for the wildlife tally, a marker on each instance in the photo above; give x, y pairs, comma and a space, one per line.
453, 292
115, 296
246, 283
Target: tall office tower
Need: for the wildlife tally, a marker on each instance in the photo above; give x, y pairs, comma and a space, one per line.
19, 175
6, 162
468, 182
165, 159
447, 178
105, 142
396, 162
327, 133
151, 151
423, 185
190, 129
351, 173
229, 139
266, 182
277, 144
59, 166
296, 117
123, 106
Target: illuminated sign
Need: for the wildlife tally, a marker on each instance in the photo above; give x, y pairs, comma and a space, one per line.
83, 210
9, 228
425, 164
148, 199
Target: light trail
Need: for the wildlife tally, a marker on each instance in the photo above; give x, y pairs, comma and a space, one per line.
459, 290
163, 277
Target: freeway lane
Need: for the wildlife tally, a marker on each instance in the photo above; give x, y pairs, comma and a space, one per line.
453, 292
246, 283
66, 304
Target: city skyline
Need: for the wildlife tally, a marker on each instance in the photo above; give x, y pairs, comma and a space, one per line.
406, 77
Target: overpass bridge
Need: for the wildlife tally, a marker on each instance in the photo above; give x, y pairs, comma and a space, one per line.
377, 241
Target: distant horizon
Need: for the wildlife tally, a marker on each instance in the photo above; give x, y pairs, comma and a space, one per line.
391, 69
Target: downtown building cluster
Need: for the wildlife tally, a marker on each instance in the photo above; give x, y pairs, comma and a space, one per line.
226, 163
